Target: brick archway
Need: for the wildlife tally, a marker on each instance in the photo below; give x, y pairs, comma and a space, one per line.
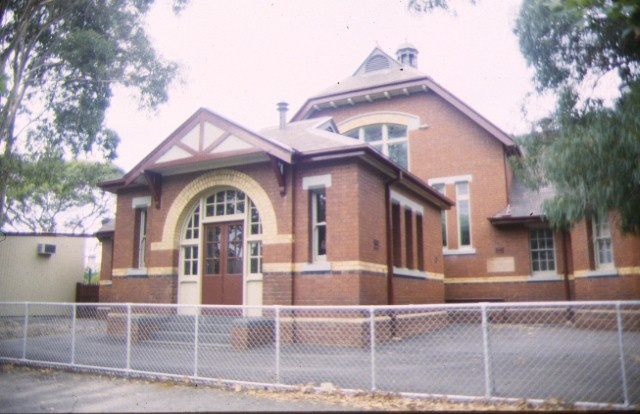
219, 178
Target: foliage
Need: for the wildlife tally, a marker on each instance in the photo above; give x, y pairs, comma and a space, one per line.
59, 63
51, 192
589, 151
426, 6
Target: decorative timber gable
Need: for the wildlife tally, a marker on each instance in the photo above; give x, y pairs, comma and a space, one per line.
203, 142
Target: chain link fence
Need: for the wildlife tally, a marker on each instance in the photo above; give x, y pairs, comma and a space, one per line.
587, 352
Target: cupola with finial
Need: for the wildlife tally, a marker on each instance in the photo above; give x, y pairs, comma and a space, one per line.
407, 55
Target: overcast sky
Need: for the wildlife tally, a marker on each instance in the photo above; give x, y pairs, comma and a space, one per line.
240, 57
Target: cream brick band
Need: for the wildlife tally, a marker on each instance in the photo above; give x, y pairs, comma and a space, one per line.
347, 266
151, 271
620, 271
205, 183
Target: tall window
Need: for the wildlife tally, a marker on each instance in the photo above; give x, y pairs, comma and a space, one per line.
408, 237
443, 214
139, 256
319, 225
389, 139
602, 246
190, 244
542, 250
396, 233
420, 241
464, 214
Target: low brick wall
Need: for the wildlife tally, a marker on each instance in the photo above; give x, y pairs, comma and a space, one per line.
253, 333
142, 326
356, 331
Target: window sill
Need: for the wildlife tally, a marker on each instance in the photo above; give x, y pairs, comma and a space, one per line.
545, 277
142, 271
606, 272
459, 252
315, 267
404, 272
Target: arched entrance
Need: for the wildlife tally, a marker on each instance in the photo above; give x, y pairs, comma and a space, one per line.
221, 250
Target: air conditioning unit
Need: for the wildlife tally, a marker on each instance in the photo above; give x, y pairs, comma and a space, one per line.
46, 249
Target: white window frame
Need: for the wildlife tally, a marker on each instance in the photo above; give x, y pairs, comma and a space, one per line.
442, 189
467, 198
548, 272
250, 237
317, 225
600, 226
405, 203
385, 141
452, 180
140, 206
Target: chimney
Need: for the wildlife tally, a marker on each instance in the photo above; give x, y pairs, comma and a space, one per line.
282, 108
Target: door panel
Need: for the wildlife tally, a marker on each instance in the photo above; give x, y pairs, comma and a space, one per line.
223, 262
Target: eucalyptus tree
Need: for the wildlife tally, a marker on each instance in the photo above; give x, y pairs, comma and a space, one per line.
589, 148
60, 61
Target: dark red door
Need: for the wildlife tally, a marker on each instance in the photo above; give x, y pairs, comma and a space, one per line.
223, 260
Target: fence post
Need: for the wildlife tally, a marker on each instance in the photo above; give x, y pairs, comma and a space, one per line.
196, 342
623, 371
372, 340
488, 377
277, 340
73, 334
25, 331
128, 367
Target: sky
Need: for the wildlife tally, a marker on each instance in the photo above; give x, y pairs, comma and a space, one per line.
239, 58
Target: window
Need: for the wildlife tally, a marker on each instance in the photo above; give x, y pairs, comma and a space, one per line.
139, 256
408, 237
190, 251
255, 257
464, 214
389, 139
602, 247
396, 233
319, 225
542, 250
420, 242
443, 214
223, 205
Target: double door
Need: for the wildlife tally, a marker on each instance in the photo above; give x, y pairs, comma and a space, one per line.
223, 262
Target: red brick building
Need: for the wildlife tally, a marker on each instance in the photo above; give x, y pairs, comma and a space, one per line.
383, 189
296, 214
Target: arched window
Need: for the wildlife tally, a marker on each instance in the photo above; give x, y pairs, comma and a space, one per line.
223, 205
389, 139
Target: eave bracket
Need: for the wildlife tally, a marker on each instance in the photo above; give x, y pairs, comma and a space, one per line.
154, 182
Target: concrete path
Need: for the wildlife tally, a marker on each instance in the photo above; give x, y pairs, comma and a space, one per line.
24, 389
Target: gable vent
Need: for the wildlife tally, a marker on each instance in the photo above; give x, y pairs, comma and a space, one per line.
377, 62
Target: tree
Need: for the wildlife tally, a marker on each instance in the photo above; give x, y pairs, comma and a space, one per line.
427, 6
51, 192
588, 149
59, 63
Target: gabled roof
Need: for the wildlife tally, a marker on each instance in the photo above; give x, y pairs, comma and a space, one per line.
204, 141
207, 141
310, 135
388, 82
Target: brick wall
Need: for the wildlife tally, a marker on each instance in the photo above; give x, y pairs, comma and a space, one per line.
508, 292
157, 289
